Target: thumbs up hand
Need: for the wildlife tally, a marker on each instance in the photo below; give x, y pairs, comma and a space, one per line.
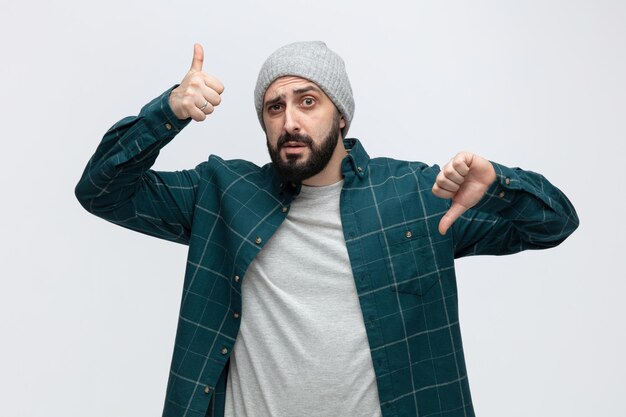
464, 179
198, 93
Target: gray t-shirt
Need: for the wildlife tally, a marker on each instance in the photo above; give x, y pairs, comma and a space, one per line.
302, 349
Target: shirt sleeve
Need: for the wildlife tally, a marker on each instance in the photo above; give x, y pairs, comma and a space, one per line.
119, 186
520, 210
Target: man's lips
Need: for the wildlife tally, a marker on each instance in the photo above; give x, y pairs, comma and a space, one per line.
294, 145
292, 148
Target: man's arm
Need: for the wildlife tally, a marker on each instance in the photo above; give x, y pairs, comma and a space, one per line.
499, 210
118, 184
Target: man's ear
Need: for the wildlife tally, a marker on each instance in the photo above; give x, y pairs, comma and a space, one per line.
342, 122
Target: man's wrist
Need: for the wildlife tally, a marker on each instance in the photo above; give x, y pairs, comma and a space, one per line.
502, 190
160, 118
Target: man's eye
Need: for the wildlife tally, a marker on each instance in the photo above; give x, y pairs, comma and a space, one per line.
274, 107
308, 101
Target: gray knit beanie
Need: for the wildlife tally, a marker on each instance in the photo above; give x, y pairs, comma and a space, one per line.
315, 62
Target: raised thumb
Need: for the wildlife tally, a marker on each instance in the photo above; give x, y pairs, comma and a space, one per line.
198, 57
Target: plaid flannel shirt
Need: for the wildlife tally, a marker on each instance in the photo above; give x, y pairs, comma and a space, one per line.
226, 211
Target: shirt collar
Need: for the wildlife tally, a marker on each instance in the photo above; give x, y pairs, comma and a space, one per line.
357, 160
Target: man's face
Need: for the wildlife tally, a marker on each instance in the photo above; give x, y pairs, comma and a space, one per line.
302, 127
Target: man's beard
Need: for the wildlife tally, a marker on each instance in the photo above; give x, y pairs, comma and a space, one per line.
293, 169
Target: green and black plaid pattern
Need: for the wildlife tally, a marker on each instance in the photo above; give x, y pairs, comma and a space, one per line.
403, 269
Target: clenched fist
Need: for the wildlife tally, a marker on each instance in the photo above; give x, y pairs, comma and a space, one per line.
198, 93
464, 179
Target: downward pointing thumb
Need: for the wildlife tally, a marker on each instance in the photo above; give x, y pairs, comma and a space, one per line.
453, 213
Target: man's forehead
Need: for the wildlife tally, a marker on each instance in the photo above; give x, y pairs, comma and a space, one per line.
289, 83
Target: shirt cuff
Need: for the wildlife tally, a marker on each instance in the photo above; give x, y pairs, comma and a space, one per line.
502, 192
160, 119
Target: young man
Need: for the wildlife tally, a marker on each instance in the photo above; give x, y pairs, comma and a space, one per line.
321, 284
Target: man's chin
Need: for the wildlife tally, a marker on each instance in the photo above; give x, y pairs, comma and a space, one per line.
294, 159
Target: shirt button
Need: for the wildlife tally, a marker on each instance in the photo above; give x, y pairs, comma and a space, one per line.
224, 351
507, 181
236, 315
237, 279
408, 234
359, 169
501, 195
207, 389
258, 240
285, 209
168, 126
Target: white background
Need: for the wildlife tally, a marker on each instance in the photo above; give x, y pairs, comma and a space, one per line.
88, 310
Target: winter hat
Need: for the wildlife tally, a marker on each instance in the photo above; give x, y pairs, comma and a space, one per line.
314, 62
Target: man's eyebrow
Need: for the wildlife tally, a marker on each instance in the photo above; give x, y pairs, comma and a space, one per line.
275, 100
307, 89
297, 91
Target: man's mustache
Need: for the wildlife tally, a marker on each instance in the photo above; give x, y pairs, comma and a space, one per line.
295, 137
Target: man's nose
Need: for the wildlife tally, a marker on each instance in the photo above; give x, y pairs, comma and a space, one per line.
292, 120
